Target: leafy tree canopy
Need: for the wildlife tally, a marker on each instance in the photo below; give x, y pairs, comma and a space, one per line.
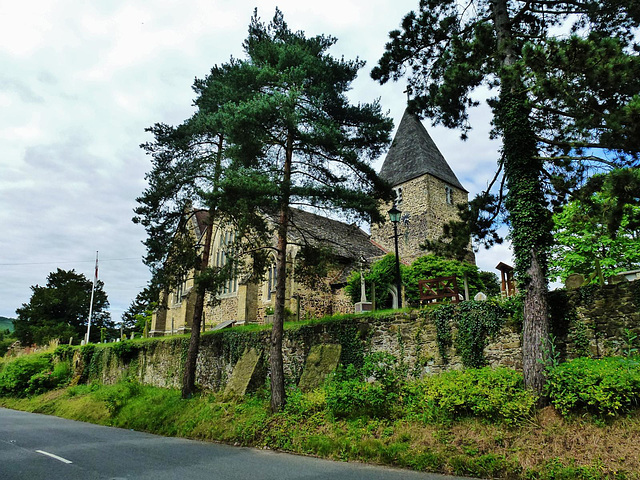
601, 222
60, 310
382, 275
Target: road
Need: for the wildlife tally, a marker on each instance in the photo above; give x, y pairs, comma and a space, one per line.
40, 447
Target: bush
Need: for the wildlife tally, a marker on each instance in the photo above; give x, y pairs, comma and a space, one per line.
607, 386
50, 379
15, 377
372, 391
495, 394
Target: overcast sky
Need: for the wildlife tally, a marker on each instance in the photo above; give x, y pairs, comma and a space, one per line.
80, 81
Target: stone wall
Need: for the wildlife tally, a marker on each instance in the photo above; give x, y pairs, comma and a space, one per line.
596, 321
601, 317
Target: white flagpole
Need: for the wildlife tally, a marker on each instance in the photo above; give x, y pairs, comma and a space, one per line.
95, 279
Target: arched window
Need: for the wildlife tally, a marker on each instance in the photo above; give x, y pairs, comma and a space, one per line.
225, 243
272, 277
448, 194
398, 192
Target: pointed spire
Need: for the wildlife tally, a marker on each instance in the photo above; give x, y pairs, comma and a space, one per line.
413, 153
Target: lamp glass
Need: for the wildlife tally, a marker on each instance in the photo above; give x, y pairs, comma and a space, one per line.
394, 214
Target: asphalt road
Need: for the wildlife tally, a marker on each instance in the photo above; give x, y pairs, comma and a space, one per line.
40, 447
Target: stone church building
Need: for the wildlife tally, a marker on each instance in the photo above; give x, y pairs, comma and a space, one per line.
427, 192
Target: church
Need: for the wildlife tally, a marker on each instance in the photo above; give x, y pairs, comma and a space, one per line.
427, 192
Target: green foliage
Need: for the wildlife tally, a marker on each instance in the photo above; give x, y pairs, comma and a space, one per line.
63, 352
373, 390
140, 310
382, 275
631, 341
59, 310
50, 379
608, 386
494, 394
16, 375
6, 340
599, 224
475, 323
126, 350
117, 397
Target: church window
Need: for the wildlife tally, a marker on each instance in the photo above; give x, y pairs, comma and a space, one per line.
272, 275
180, 287
448, 193
398, 192
225, 243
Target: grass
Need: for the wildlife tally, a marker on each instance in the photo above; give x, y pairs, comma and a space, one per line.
545, 447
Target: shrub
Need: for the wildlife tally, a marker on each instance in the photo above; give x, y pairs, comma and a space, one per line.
373, 390
50, 379
495, 394
606, 386
15, 377
63, 352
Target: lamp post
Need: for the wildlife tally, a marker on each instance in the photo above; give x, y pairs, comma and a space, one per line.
394, 216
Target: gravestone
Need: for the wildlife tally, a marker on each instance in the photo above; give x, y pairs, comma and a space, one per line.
247, 375
321, 361
480, 297
574, 281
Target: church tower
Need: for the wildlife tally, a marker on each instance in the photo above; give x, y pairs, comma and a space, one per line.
427, 190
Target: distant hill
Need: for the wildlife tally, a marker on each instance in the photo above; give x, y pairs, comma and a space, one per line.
6, 323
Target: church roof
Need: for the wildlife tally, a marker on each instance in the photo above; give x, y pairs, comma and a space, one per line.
413, 153
346, 240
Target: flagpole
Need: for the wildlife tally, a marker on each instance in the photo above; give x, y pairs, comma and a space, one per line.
93, 288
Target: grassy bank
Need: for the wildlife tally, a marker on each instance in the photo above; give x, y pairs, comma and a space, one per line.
536, 445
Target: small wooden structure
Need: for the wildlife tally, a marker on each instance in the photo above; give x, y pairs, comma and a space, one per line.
436, 289
507, 285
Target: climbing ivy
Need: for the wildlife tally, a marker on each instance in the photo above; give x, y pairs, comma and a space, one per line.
442, 319
475, 323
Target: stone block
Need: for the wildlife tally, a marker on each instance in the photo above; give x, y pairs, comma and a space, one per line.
246, 375
321, 361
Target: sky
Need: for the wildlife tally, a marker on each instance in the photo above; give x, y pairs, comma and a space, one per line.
80, 82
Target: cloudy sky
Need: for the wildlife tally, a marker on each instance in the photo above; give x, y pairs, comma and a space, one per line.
80, 81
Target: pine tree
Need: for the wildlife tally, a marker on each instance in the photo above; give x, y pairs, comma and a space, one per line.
297, 140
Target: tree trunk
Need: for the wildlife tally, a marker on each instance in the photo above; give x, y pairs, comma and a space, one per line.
189, 376
529, 218
275, 358
535, 330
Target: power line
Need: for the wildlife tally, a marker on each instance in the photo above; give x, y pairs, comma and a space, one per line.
102, 260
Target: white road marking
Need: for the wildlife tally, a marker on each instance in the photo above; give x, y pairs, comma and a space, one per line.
63, 460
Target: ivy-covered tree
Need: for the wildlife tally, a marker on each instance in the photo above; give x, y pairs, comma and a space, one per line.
601, 222
297, 140
59, 310
560, 99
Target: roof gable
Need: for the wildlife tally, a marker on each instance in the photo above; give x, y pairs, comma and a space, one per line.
413, 153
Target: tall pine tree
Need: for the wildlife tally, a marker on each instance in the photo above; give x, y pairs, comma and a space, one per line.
297, 140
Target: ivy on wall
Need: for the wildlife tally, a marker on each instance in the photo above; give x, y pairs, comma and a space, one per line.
474, 322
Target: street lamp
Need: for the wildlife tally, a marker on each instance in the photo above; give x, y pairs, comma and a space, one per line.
394, 216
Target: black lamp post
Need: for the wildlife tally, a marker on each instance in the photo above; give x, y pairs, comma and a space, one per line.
394, 216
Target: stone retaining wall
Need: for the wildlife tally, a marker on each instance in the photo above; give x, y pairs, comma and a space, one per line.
603, 316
